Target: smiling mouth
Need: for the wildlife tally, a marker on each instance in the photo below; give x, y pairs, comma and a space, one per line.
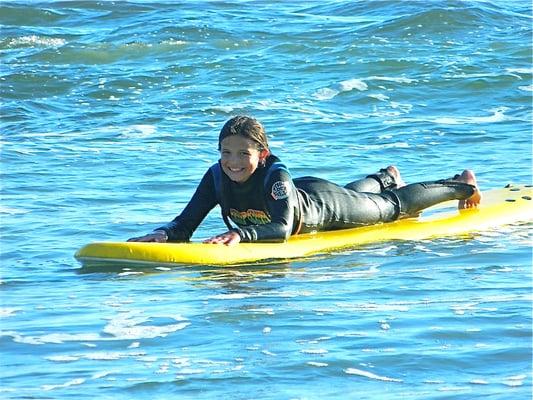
235, 170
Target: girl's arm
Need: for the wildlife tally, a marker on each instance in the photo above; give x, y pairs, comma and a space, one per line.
281, 198
181, 228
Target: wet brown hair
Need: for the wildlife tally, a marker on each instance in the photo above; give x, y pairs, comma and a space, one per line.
247, 127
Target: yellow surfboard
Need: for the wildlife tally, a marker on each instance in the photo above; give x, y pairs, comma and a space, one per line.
499, 207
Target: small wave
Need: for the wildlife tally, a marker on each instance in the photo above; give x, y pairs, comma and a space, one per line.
513, 381
173, 42
373, 307
344, 86
368, 374
138, 131
12, 210
525, 71
497, 116
131, 328
328, 93
8, 312
380, 97
129, 273
73, 382
55, 338
104, 356
221, 109
453, 389
34, 41
63, 358
230, 296
398, 145
317, 364
314, 351
400, 79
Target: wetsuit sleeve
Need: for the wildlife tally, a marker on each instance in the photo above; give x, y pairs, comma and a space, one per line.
281, 200
181, 228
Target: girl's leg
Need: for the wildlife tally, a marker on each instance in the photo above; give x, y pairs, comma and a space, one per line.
338, 208
419, 196
386, 179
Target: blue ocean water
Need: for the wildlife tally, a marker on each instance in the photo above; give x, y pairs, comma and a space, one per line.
110, 115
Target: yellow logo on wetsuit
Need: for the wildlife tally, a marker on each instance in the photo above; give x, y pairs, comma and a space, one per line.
249, 217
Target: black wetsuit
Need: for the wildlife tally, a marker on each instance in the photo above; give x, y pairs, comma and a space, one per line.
271, 206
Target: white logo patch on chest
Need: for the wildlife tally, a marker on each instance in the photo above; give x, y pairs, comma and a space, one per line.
280, 190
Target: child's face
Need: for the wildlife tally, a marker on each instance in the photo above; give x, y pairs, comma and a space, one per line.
240, 157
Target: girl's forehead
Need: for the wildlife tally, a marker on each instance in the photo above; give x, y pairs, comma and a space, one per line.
236, 141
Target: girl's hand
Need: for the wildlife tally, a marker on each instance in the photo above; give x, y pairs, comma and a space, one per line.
156, 236
227, 238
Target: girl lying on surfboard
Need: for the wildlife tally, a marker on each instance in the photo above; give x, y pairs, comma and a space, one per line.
260, 201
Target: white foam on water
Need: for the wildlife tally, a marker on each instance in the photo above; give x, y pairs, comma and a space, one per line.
328, 93
351, 84
314, 351
230, 296
384, 326
104, 356
8, 312
514, 381
12, 210
371, 375
136, 131
181, 362
73, 382
454, 389
102, 374
65, 358
392, 79
325, 94
317, 364
163, 368
223, 109
519, 70
55, 338
36, 41
174, 42
128, 273
497, 116
266, 310
127, 328
380, 97
373, 307
191, 371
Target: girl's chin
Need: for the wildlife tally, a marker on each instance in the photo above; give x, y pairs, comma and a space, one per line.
238, 179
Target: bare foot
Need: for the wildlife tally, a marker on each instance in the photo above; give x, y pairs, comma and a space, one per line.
472, 202
395, 172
